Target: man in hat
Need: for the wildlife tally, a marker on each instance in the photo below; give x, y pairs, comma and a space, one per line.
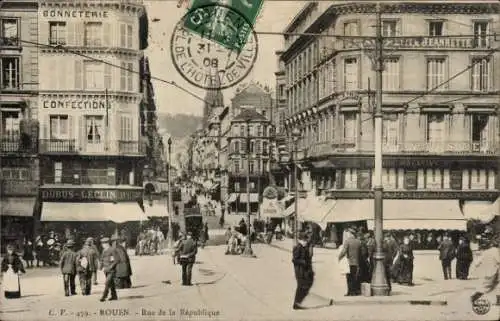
352, 250
446, 255
109, 260
86, 264
187, 258
304, 274
123, 267
95, 267
68, 268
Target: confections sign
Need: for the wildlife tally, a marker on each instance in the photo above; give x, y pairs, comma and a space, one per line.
75, 104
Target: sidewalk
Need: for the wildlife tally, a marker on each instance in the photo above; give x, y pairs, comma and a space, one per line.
430, 287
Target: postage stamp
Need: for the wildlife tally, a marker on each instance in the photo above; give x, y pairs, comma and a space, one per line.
221, 50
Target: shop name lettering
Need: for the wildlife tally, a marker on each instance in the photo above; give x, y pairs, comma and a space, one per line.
75, 104
91, 195
74, 14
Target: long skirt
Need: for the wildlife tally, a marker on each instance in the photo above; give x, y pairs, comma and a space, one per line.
123, 282
11, 285
406, 272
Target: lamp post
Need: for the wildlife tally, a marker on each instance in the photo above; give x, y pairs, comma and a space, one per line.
248, 252
295, 138
170, 207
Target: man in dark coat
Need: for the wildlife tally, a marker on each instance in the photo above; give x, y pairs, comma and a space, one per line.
187, 258
87, 261
109, 260
94, 267
123, 267
304, 274
391, 249
68, 268
446, 255
464, 259
352, 250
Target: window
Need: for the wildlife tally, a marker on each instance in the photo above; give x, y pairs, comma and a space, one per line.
94, 75
390, 129
390, 76
16, 173
351, 28
436, 73
252, 166
235, 130
265, 165
350, 127
10, 73
59, 127
126, 132
350, 74
480, 74
126, 36
236, 164
242, 131
252, 147
58, 171
436, 130
127, 76
264, 113
243, 147
10, 124
435, 28
94, 129
57, 33
281, 91
237, 186
129, 36
259, 131
481, 39
389, 28
93, 34
9, 32
265, 147
479, 129
236, 147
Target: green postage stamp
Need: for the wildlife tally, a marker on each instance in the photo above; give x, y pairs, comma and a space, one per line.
226, 22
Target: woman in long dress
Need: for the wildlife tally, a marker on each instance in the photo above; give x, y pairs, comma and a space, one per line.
406, 263
11, 267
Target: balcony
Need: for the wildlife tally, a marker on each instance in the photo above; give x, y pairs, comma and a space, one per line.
131, 148
411, 147
58, 146
16, 144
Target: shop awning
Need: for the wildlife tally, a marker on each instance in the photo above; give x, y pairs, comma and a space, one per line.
317, 211
157, 209
351, 210
492, 211
421, 225
91, 212
254, 197
232, 197
303, 206
17, 206
477, 210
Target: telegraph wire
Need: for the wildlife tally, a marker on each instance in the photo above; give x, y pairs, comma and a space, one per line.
65, 49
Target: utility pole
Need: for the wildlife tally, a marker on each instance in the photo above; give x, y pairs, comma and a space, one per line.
170, 207
248, 252
379, 284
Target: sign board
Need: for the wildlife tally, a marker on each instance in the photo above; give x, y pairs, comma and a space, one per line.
454, 195
89, 195
271, 208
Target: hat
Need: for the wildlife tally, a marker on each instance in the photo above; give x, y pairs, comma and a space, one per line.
10, 247
105, 240
114, 238
89, 241
70, 243
302, 236
189, 233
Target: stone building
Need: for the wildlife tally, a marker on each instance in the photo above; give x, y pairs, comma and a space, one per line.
19, 82
440, 104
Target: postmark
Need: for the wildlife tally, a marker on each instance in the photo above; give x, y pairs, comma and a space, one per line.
481, 306
218, 54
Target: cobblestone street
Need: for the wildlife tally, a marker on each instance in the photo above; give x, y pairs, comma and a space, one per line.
229, 287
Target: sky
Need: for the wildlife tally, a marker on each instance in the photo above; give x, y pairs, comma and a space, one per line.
275, 16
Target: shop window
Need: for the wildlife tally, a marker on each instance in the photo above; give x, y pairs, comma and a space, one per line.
57, 31
10, 72
9, 32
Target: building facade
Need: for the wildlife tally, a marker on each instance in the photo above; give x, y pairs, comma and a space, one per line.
18, 118
441, 94
90, 99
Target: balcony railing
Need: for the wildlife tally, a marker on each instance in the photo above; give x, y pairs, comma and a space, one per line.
17, 145
57, 146
131, 148
450, 147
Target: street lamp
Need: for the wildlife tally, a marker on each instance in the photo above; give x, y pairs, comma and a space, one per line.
170, 207
248, 252
295, 138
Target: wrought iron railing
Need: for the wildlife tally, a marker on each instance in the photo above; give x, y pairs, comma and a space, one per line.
57, 146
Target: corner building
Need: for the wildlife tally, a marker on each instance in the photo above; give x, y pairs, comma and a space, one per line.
440, 144
91, 150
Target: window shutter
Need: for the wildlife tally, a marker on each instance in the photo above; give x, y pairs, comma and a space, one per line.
423, 127
79, 33
107, 76
81, 131
71, 33
123, 77
70, 127
45, 127
107, 35
78, 74
123, 35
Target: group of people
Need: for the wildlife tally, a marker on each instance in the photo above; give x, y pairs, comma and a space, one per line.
113, 261
149, 242
463, 254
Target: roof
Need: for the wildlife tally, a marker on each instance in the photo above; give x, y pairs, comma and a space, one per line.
249, 114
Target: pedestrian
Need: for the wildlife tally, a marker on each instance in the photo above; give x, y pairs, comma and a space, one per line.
87, 261
177, 249
364, 263
109, 260
464, 258
95, 267
446, 255
187, 258
406, 263
352, 250
370, 245
68, 268
123, 267
12, 266
28, 254
392, 250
